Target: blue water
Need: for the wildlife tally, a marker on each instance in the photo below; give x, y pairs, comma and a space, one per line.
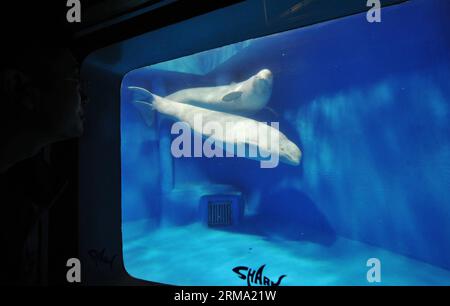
369, 106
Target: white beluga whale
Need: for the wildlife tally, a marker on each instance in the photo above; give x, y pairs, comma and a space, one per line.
236, 130
248, 96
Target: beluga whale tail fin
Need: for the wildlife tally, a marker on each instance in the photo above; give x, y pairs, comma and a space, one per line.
143, 100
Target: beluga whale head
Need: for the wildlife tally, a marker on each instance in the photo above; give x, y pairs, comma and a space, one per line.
289, 152
253, 93
262, 82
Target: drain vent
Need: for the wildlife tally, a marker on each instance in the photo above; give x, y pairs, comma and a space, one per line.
219, 213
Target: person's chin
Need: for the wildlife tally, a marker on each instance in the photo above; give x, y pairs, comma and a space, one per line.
79, 129
75, 131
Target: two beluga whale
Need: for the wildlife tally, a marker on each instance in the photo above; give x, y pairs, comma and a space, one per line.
223, 107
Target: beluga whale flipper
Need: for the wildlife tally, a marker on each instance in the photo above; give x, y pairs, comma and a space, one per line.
248, 96
235, 128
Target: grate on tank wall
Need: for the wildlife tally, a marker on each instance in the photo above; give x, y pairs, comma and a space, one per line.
219, 213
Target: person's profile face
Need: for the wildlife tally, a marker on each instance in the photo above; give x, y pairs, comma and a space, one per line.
63, 101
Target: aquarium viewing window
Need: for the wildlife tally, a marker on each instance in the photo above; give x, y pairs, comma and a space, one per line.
314, 156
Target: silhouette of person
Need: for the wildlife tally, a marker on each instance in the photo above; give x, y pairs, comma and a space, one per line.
41, 104
41, 101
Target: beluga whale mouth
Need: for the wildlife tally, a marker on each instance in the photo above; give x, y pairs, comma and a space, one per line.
290, 154
262, 82
265, 74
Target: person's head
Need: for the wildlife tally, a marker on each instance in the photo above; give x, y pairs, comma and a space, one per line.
40, 90
39, 81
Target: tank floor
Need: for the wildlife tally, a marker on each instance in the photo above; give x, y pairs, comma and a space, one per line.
197, 255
